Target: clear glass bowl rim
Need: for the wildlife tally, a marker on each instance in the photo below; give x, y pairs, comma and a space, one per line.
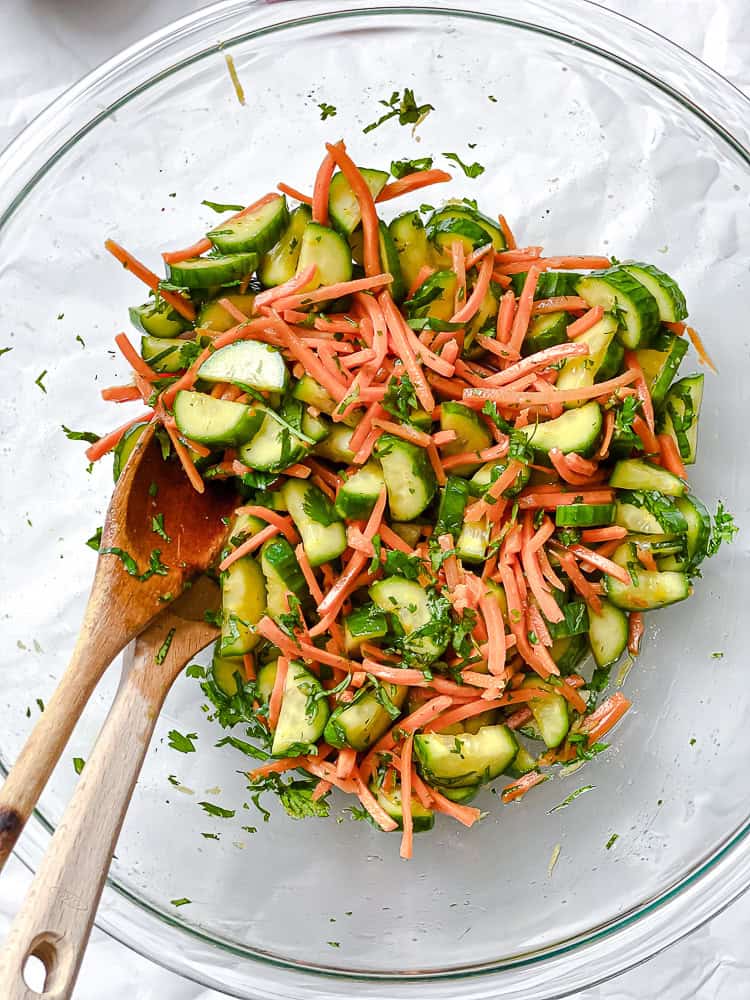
636, 936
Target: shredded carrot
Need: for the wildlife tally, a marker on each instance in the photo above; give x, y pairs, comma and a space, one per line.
277, 693
703, 355
412, 182
635, 632
599, 562
519, 788
370, 222
346, 762
422, 275
407, 840
121, 393
669, 455
381, 817
609, 713
523, 312
511, 397
472, 304
294, 193
510, 240
568, 303
111, 440
129, 262
645, 558
289, 287
283, 522
585, 322
611, 533
405, 431
322, 187
394, 322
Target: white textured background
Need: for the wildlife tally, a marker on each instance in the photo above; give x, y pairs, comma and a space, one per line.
46, 45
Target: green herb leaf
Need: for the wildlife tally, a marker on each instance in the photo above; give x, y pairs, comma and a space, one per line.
723, 529
400, 564
572, 797
183, 744
180, 902
610, 843
401, 168
318, 507
299, 803
326, 111
155, 568
405, 107
218, 811
4, 350
161, 653
88, 436
218, 206
157, 526
39, 380
470, 169
243, 746
78, 764
400, 397
95, 541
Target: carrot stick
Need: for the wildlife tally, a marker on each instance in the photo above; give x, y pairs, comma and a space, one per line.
336, 291
599, 562
585, 322
557, 303
407, 840
631, 361
404, 351
608, 534
510, 240
541, 359
538, 496
472, 304
204, 245
111, 440
510, 397
346, 760
294, 193
405, 431
121, 393
371, 804
493, 619
370, 225
309, 360
635, 632
523, 312
277, 694
287, 288
524, 784
322, 187
130, 263
610, 712
422, 275
703, 355
670, 457
282, 522
412, 182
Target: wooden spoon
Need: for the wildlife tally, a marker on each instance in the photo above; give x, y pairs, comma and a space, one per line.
120, 605
55, 921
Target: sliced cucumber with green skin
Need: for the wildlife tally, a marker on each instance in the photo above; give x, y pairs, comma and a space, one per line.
647, 590
550, 713
337, 446
661, 545
266, 680
299, 726
461, 210
366, 623
205, 272
576, 430
454, 497
668, 294
166, 356
410, 532
466, 758
409, 477
330, 253
283, 575
456, 228
435, 297
228, 672
158, 319
243, 604
486, 475
410, 239
612, 363
580, 372
307, 390
619, 292
550, 284
316, 428
279, 264
472, 434
273, 448
660, 366
522, 764
390, 262
484, 322
323, 542
215, 422
568, 652
359, 493
243, 526
679, 419
608, 634
257, 231
461, 795
343, 207
247, 363
546, 330
635, 474
213, 316
585, 515
422, 819
412, 607
575, 621
649, 512
473, 541
125, 446
363, 721
421, 419
696, 537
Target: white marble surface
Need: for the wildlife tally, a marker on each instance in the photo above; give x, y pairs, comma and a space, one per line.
46, 45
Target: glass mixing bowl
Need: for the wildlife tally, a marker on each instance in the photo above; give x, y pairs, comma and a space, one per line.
596, 135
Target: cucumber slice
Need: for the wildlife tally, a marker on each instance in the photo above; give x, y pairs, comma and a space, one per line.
454, 497
453, 227
647, 590
472, 434
696, 537
575, 621
484, 322
206, 272
461, 210
568, 652
550, 283
322, 542
660, 545
266, 680
257, 231
158, 319
421, 419
413, 609
486, 475
359, 493
410, 532
409, 477
612, 363
243, 604
273, 448
546, 330
608, 634
299, 726
621, 293
635, 474
390, 262
316, 428
580, 372
363, 721
434, 298
243, 526
660, 366
247, 363
213, 315
585, 515
283, 576
422, 819
343, 207
330, 253
410, 240
337, 446
466, 758
651, 513
125, 447
473, 541
550, 714
363, 625
679, 419
669, 298
307, 390
576, 430
279, 264
523, 763
228, 673
215, 422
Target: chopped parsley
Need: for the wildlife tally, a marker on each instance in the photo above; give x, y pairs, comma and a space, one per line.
472, 170
611, 842
218, 206
180, 902
400, 564
39, 380
299, 803
405, 107
155, 567
401, 168
318, 507
4, 350
88, 436
78, 764
723, 529
400, 397
217, 811
183, 744
572, 797
161, 653
80, 340
326, 111
95, 541
157, 526
717, 656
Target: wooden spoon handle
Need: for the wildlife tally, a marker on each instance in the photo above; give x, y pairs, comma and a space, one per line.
55, 921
